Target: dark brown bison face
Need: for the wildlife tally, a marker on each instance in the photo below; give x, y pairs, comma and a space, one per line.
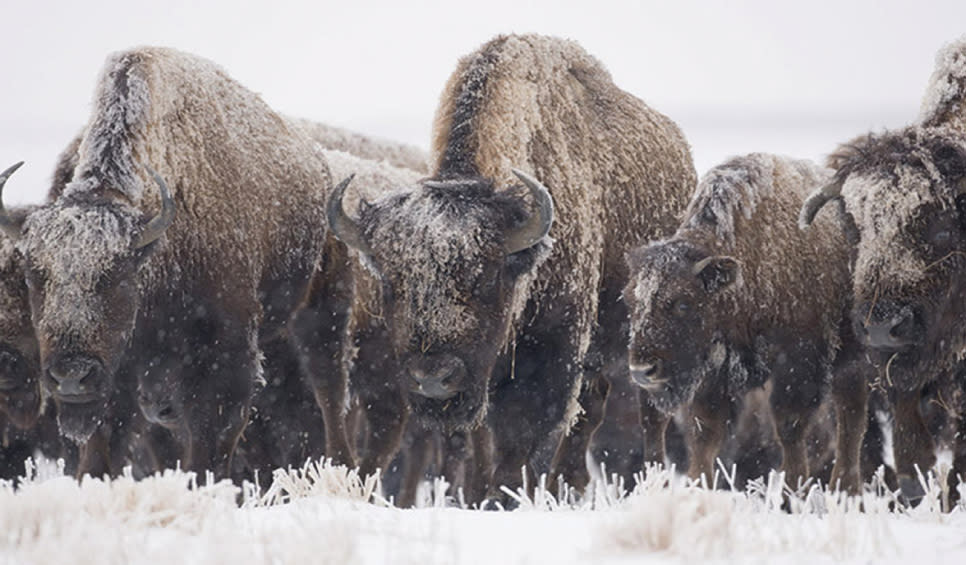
20, 396
905, 195
81, 260
160, 396
455, 259
674, 295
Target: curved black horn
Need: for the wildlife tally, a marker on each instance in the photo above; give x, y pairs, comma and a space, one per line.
538, 225
9, 225
158, 224
816, 200
344, 227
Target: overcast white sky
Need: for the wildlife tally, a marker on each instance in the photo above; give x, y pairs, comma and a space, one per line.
738, 76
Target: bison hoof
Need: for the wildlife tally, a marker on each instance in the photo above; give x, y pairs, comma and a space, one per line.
911, 489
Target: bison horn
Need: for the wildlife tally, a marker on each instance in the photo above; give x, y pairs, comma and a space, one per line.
816, 200
9, 225
158, 224
538, 226
344, 227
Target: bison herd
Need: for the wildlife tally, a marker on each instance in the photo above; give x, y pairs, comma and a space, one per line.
214, 285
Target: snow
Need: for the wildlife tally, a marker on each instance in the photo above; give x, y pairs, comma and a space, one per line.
328, 514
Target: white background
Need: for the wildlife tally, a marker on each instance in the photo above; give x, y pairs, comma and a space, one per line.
738, 76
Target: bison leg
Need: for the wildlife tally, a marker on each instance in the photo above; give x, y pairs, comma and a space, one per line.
374, 378
218, 403
958, 473
850, 394
655, 423
479, 475
456, 452
415, 461
618, 441
711, 410
532, 411
570, 461
913, 444
319, 330
386, 417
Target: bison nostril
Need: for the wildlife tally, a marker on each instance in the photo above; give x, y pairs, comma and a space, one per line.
649, 370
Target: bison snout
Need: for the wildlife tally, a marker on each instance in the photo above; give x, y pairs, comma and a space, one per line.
161, 411
76, 378
437, 377
895, 330
649, 373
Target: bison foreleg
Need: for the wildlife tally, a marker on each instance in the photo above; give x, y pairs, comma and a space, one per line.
570, 462
618, 442
850, 394
655, 424
415, 460
913, 444
319, 330
386, 417
708, 418
217, 407
533, 408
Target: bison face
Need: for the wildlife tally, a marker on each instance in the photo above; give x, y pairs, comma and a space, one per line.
81, 274
82, 258
455, 259
904, 197
160, 396
675, 296
20, 396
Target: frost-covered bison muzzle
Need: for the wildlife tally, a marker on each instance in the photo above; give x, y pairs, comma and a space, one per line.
648, 374
76, 378
160, 407
440, 376
888, 326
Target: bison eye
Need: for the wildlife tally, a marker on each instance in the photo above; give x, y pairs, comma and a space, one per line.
942, 238
681, 307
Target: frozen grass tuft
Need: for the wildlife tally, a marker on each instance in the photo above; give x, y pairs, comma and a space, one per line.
321, 478
325, 513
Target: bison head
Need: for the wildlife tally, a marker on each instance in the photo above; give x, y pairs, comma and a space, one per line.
454, 258
674, 295
82, 254
904, 195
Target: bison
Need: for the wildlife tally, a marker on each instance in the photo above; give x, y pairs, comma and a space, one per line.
27, 421
121, 268
739, 296
480, 319
903, 194
286, 424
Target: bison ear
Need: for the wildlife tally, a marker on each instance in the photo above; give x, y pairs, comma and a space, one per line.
716, 272
951, 162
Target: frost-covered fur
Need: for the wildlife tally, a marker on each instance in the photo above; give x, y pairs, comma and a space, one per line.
248, 189
943, 101
619, 174
739, 295
20, 395
401, 155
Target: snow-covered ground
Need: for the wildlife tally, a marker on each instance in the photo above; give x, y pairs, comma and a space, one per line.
323, 514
